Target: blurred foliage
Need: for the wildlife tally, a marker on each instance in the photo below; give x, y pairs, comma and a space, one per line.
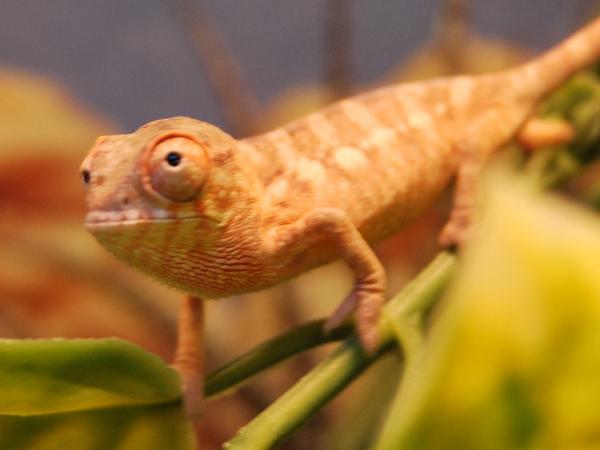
60, 122
477, 55
88, 394
156, 427
60, 375
513, 360
54, 279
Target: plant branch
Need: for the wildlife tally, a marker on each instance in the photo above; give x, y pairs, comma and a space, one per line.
338, 49
334, 373
271, 352
237, 101
452, 33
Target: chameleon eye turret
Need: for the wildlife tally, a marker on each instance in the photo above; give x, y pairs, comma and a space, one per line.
177, 168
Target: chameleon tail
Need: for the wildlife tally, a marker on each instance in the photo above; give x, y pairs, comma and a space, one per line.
539, 77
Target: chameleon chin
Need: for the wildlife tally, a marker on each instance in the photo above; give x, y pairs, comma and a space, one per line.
214, 216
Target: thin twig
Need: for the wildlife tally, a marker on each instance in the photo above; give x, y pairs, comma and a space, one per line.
237, 101
271, 352
338, 48
452, 33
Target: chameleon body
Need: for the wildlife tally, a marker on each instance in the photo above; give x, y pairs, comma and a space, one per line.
214, 216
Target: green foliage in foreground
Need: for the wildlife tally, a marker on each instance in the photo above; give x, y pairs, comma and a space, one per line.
513, 361
88, 394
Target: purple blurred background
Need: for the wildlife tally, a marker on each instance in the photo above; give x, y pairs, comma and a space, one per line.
130, 60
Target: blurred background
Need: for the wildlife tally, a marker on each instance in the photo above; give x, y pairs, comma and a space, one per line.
73, 70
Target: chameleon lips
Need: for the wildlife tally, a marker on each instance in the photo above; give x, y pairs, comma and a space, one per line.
99, 219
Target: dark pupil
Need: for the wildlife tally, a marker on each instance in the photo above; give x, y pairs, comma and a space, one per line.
173, 158
86, 176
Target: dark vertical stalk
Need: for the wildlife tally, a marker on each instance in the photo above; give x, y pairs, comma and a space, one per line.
338, 48
237, 101
452, 33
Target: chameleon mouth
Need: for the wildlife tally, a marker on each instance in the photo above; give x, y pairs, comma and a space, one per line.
105, 219
128, 215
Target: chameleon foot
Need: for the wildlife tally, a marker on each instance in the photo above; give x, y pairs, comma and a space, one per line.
368, 312
367, 307
459, 226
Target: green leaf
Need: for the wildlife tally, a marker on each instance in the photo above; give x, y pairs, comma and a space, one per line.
514, 359
157, 427
96, 394
59, 375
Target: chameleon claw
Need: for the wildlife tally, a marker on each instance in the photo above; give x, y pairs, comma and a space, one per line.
368, 313
342, 312
367, 309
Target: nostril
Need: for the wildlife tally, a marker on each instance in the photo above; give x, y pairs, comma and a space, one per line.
125, 200
86, 176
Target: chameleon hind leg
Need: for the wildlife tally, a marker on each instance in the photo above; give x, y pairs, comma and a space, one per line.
189, 355
332, 227
535, 133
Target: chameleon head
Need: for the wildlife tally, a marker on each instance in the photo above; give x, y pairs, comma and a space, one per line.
162, 192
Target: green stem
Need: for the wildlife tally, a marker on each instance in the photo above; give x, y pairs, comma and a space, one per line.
334, 373
271, 352
307, 396
407, 322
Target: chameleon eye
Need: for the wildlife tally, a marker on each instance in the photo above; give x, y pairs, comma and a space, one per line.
178, 168
85, 176
173, 159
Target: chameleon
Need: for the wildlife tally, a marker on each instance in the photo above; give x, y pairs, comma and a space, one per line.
215, 216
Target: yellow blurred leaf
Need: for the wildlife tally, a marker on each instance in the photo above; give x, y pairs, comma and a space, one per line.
479, 55
37, 115
514, 361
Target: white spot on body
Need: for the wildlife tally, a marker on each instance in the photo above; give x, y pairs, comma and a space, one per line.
278, 189
419, 119
440, 109
381, 139
286, 151
460, 92
311, 171
359, 114
350, 159
422, 125
251, 152
322, 128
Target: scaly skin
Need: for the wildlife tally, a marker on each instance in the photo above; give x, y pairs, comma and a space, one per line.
215, 216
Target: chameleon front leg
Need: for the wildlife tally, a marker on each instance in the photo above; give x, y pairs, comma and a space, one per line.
333, 227
189, 355
459, 223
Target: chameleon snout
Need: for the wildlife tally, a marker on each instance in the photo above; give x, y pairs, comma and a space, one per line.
111, 193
